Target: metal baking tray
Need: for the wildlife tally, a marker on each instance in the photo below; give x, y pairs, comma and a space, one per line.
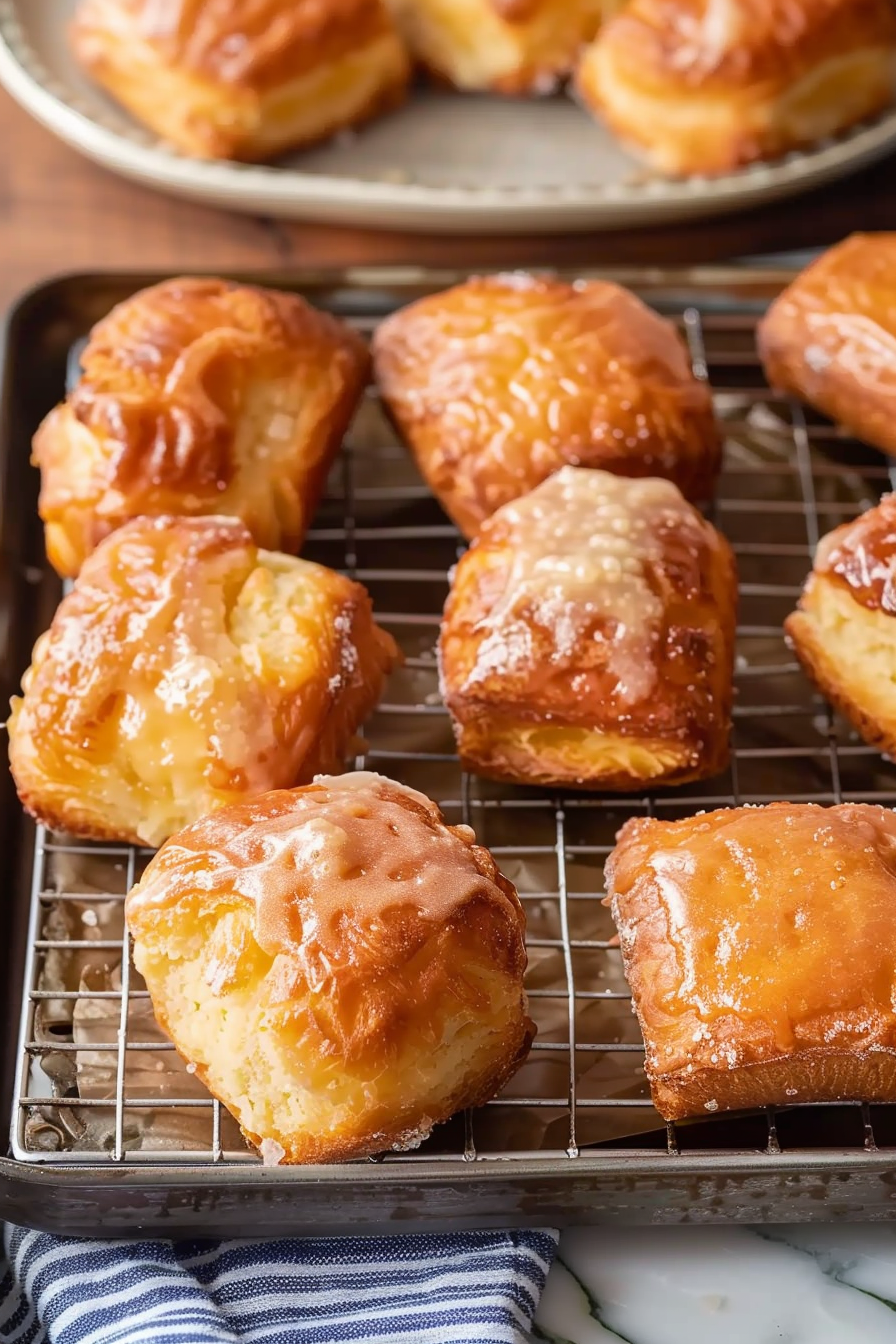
110, 1133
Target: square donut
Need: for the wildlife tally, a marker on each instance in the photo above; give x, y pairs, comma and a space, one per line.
186, 670
760, 947
707, 86
844, 628
247, 80
830, 337
504, 379
199, 396
588, 638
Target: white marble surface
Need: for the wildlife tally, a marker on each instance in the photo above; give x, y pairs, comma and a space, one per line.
690, 1285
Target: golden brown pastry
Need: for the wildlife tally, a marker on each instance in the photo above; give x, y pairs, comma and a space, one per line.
760, 947
830, 338
199, 396
705, 86
588, 638
185, 670
342, 968
504, 46
244, 80
844, 631
499, 382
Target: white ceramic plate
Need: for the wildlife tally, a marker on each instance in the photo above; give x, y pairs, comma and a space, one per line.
442, 164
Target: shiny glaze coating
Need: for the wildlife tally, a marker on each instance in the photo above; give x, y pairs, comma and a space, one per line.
724, 43
703, 86
258, 44
185, 670
245, 80
595, 603
862, 555
843, 630
830, 338
199, 396
512, 47
498, 383
344, 929
760, 946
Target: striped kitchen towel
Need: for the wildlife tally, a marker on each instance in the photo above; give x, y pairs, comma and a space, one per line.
458, 1288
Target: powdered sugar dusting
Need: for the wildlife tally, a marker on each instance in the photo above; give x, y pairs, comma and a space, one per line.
745, 861
727, 944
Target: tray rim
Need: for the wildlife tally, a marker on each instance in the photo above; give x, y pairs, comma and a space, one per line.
594, 1170
292, 194
738, 273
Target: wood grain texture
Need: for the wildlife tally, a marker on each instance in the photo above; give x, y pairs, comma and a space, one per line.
60, 213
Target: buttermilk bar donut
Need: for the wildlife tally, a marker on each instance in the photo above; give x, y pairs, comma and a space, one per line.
199, 396
247, 80
760, 947
185, 670
707, 86
501, 381
588, 638
342, 968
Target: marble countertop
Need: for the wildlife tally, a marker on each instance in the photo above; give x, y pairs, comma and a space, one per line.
685, 1285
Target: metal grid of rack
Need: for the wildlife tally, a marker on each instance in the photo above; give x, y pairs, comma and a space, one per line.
98, 1084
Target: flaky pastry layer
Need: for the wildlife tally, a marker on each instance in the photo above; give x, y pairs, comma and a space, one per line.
503, 46
760, 947
525, 749
199, 397
588, 637
830, 337
343, 969
499, 382
245, 81
186, 670
706, 86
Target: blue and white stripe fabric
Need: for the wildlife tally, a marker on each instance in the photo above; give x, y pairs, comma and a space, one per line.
458, 1288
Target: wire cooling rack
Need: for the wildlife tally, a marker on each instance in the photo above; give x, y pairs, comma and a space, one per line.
98, 1084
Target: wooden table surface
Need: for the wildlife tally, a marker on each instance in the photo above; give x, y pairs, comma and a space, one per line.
60, 213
